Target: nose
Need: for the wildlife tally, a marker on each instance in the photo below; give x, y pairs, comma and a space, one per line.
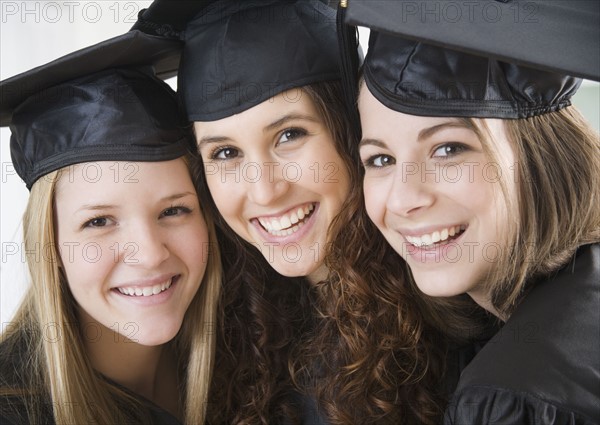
409, 193
266, 184
145, 247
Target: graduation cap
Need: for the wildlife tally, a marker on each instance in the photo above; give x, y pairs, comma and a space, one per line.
239, 54
424, 68
100, 103
130, 49
561, 36
419, 79
168, 18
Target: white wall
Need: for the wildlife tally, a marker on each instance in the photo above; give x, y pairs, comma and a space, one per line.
35, 32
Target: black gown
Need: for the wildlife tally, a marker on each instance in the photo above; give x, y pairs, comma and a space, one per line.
543, 367
12, 408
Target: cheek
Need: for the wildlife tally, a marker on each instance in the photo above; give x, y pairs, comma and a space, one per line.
473, 188
192, 246
327, 174
227, 193
86, 265
334, 184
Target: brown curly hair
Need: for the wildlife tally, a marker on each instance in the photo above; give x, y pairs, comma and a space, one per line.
380, 347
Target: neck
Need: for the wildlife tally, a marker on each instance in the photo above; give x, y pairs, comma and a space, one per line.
318, 275
149, 371
483, 299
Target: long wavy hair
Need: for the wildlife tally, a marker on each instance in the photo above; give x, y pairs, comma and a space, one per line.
380, 345
555, 207
360, 341
45, 369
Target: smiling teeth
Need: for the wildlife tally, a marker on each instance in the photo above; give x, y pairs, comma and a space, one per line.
288, 223
146, 291
435, 237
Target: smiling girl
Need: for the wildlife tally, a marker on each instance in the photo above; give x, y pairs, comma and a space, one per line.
486, 181
116, 326
301, 340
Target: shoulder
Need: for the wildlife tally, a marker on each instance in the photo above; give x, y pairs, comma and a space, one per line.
4, 420
548, 353
490, 405
15, 360
19, 405
162, 417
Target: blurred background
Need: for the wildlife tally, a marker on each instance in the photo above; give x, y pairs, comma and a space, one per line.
35, 32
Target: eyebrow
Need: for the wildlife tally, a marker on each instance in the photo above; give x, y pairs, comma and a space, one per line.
426, 133
374, 142
207, 140
289, 117
423, 134
98, 207
178, 196
270, 127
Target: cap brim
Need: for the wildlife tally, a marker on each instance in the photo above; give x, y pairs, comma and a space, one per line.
133, 48
172, 14
559, 35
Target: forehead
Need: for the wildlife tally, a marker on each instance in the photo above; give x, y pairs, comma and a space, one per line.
378, 118
119, 176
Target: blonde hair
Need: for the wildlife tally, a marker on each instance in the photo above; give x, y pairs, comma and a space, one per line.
58, 366
555, 208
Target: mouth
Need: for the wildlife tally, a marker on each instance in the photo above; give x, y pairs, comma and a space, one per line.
289, 222
147, 291
437, 238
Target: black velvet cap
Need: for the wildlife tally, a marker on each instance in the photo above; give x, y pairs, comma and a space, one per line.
560, 36
239, 54
73, 110
419, 79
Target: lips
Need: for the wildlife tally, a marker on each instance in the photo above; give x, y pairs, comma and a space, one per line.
146, 291
289, 222
427, 240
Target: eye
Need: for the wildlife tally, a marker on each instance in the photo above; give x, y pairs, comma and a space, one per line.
175, 211
224, 153
379, 161
449, 150
291, 134
97, 222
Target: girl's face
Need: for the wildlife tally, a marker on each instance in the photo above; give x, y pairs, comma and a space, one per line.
434, 194
133, 246
277, 179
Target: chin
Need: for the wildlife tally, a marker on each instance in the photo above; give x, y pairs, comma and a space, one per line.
294, 269
155, 337
436, 286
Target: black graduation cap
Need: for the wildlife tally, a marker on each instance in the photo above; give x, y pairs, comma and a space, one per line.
562, 36
239, 54
100, 103
420, 79
130, 49
168, 18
